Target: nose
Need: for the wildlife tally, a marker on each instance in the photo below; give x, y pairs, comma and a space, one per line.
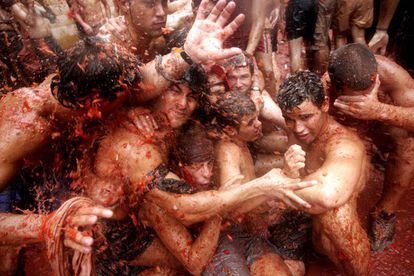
299, 127
206, 171
182, 102
257, 124
159, 9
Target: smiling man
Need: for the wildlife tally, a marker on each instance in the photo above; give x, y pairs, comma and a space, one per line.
336, 157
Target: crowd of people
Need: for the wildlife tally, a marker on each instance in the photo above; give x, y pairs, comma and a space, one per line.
167, 140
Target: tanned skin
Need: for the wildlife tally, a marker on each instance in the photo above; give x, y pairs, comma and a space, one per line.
234, 160
90, 15
123, 154
336, 157
390, 100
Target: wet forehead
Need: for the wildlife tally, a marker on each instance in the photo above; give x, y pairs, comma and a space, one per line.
307, 107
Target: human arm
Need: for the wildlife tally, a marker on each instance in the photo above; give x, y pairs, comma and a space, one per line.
259, 11
368, 107
75, 8
379, 41
204, 45
178, 5
271, 111
107, 8
194, 254
338, 177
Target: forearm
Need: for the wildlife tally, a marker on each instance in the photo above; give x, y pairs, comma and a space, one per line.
271, 111
387, 10
205, 245
153, 83
398, 116
198, 207
21, 229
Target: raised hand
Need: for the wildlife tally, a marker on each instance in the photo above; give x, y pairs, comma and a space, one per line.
294, 160
204, 43
364, 107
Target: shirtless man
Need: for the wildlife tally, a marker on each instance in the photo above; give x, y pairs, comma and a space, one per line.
336, 157
39, 112
90, 15
237, 120
126, 163
31, 17
374, 89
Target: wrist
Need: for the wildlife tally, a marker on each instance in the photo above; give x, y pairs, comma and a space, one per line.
188, 55
379, 29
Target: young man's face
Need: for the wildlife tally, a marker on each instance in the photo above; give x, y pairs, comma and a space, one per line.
177, 103
200, 174
250, 128
216, 88
149, 16
306, 121
239, 79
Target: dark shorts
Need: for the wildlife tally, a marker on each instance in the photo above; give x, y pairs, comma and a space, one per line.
237, 251
326, 12
301, 18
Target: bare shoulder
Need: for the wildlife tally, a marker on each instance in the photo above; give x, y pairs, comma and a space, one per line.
393, 75
226, 149
344, 142
124, 150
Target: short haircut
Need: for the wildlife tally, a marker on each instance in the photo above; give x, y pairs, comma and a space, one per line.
241, 60
353, 66
93, 67
230, 110
301, 86
193, 145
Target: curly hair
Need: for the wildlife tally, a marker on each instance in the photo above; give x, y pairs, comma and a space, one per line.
353, 66
93, 66
230, 110
299, 87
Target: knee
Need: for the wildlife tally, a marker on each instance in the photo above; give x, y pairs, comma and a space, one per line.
269, 264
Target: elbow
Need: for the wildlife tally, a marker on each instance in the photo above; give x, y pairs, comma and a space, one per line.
331, 198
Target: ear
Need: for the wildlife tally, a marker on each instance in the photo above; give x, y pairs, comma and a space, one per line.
230, 131
325, 104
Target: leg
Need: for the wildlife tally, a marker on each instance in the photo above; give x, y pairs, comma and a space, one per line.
9, 259
398, 177
358, 34
269, 264
339, 235
295, 53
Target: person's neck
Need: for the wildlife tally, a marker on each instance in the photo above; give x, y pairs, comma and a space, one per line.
138, 40
325, 130
238, 141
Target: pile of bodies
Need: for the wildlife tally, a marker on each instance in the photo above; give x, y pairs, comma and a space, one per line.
170, 151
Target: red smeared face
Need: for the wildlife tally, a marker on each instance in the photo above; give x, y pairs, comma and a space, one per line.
177, 103
250, 128
149, 16
239, 79
199, 174
306, 120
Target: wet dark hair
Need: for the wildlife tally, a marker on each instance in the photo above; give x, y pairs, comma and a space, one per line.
6, 4
353, 66
93, 67
177, 38
241, 60
230, 110
193, 145
299, 87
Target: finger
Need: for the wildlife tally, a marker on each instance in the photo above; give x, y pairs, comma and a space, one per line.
147, 125
153, 122
377, 85
360, 98
289, 203
342, 106
83, 220
226, 14
300, 185
202, 10
233, 26
81, 239
297, 200
216, 11
76, 246
227, 53
97, 211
